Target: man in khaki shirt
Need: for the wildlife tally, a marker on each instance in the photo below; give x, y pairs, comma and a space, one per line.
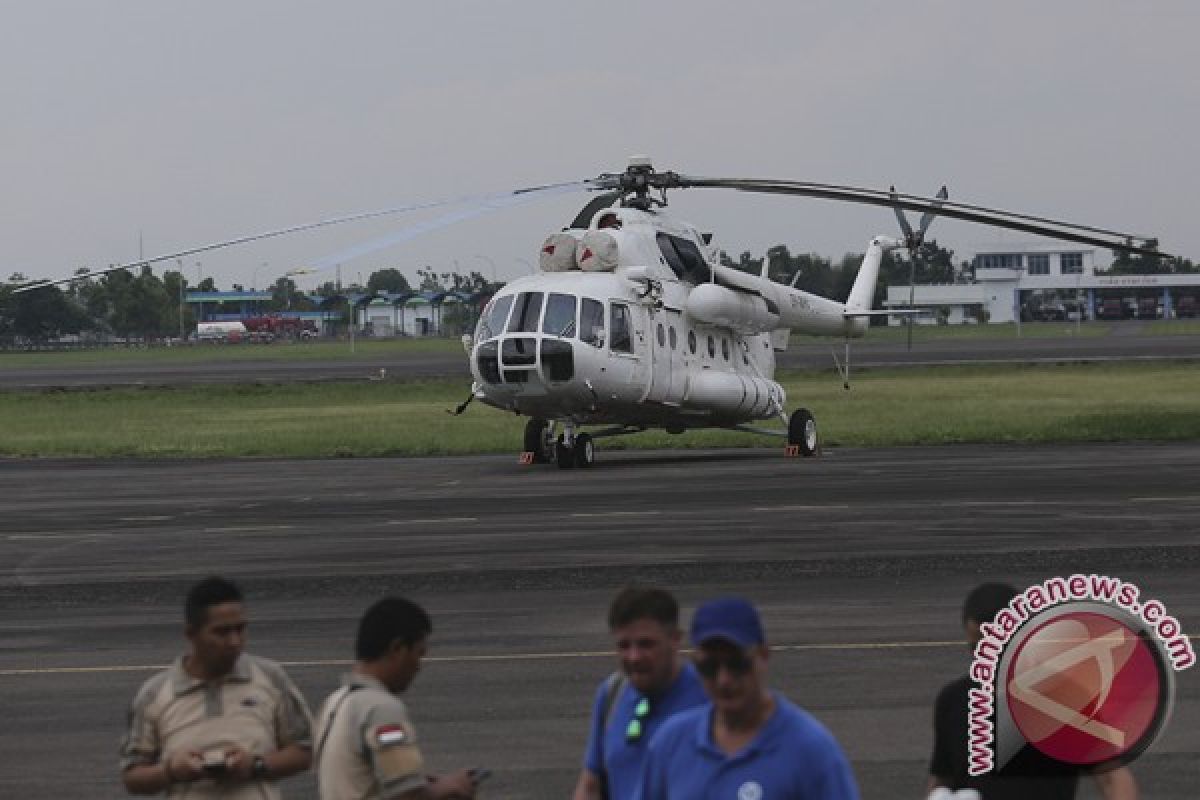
218, 723
366, 746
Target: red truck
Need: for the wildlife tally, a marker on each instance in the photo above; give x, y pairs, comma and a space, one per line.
270, 327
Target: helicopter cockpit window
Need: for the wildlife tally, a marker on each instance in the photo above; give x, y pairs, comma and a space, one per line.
560, 315
672, 257
492, 321
526, 312
591, 322
684, 258
622, 333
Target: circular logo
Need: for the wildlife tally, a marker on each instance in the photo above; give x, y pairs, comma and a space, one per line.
1085, 688
750, 790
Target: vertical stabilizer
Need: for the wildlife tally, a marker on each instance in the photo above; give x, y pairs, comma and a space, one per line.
862, 294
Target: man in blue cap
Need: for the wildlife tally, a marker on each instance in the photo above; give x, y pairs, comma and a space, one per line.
749, 743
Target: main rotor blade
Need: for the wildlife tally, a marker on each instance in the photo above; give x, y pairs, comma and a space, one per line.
1028, 223
359, 217
479, 207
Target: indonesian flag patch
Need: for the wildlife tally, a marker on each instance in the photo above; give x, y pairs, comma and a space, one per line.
391, 735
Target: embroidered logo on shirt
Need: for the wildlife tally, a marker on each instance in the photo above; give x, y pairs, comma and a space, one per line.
389, 735
750, 790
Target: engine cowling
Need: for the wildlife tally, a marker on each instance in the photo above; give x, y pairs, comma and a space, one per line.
741, 311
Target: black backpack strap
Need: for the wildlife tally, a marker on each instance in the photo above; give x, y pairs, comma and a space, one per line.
614, 684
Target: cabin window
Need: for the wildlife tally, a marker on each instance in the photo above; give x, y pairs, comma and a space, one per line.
493, 319
560, 315
712, 347
662, 336
622, 330
526, 312
692, 342
725, 348
591, 322
671, 335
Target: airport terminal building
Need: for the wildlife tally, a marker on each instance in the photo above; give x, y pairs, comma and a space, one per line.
1047, 283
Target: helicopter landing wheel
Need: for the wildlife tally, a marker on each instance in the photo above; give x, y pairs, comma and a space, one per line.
564, 454
585, 451
802, 432
535, 440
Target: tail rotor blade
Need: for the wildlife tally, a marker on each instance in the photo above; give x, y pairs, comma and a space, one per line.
928, 216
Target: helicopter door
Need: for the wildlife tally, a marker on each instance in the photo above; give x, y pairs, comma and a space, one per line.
667, 373
627, 350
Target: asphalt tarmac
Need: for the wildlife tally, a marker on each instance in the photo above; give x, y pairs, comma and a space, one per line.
1120, 344
859, 561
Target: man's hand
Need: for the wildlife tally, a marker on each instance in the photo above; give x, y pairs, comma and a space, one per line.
455, 786
239, 765
185, 766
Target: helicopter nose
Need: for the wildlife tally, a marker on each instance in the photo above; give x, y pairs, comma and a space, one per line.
525, 360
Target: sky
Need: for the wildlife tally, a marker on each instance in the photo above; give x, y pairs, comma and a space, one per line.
133, 128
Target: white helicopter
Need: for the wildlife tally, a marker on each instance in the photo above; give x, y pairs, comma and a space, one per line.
633, 323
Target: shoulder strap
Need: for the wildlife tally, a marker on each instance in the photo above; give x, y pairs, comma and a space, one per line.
613, 686
316, 761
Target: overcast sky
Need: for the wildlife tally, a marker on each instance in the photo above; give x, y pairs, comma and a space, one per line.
185, 123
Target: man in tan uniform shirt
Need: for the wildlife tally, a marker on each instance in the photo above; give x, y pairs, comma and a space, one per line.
366, 746
218, 723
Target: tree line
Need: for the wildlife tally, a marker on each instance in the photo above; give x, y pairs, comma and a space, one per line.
150, 308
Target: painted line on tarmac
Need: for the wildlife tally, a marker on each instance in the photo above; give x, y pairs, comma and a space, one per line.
467, 659
592, 514
249, 529
429, 521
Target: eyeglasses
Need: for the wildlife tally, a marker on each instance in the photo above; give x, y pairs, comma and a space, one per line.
634, 730
737, 664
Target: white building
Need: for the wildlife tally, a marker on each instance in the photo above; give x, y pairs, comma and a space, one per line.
1047, 283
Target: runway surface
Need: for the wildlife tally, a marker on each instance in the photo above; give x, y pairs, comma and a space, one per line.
1119, 344
859, 560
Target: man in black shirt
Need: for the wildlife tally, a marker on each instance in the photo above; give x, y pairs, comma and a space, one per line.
1030, 775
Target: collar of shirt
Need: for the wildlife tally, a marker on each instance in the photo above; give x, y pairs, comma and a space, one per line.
182, 682
359, 681
767, 738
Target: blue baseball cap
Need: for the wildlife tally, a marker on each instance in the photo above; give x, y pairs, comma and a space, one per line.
730, 618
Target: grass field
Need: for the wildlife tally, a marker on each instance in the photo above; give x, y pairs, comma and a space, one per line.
1018, 404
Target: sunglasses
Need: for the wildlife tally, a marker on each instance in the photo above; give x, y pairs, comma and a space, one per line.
737, 664
635, 728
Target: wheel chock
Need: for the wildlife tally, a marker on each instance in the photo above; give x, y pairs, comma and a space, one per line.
791, 451
527, 457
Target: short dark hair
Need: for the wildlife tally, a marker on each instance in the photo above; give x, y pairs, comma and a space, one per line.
643, 602
212, 591
985, 601
386, 621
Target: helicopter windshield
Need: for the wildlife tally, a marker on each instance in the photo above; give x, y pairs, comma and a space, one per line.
493, 319
525, 314
560, 315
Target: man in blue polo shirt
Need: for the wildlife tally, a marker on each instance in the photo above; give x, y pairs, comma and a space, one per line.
652, 684
750, 743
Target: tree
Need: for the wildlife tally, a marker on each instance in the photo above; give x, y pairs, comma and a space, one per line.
388, 280
44, 314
